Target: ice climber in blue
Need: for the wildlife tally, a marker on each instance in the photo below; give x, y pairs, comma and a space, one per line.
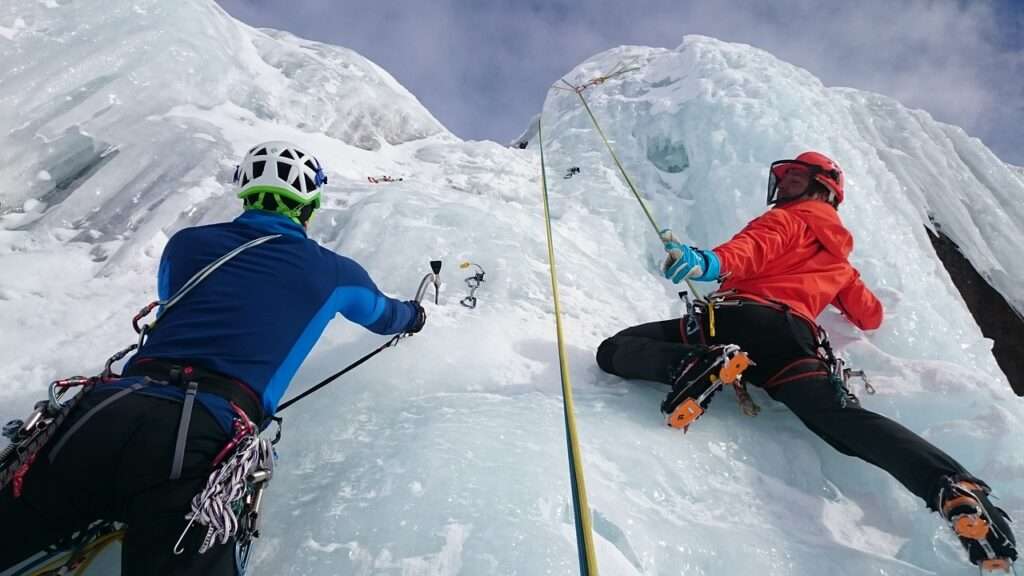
137, 449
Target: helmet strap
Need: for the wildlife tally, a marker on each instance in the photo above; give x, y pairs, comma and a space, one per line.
306, 213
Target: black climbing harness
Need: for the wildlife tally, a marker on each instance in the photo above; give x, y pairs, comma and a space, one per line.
29, 436
230, 504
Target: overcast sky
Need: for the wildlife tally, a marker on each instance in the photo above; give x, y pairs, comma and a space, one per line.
482, 67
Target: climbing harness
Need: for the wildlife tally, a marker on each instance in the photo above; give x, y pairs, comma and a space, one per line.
473, 282
230, 503
835, 367
28, 437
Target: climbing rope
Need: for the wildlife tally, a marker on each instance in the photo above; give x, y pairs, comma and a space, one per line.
581, 510
578, 90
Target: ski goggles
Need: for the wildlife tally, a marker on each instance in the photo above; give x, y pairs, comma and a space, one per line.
781, 168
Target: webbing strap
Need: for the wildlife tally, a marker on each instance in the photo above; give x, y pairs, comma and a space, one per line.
209, 268
188, 286
183, 422
95, 409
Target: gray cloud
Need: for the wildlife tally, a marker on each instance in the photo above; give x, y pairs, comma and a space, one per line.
483, 67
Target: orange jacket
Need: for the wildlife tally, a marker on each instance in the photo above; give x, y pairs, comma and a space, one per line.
796, 254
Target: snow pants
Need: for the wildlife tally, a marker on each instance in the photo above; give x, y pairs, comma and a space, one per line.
784, 348
117, 467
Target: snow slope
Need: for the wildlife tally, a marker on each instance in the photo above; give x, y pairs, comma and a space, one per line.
446, 455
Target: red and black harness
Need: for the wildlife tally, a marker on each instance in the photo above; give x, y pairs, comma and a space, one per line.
699, 327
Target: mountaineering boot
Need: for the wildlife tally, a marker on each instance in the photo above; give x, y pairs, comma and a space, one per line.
698, 377
983, 528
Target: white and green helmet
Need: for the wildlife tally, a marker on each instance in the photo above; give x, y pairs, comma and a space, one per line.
280, 177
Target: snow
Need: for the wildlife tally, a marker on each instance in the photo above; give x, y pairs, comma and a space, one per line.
447, 454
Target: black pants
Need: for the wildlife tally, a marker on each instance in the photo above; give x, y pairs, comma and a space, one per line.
774, 340
117, 467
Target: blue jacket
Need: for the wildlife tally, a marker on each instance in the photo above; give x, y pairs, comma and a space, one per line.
257, 317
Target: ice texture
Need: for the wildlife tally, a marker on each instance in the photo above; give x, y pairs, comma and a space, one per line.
446, 455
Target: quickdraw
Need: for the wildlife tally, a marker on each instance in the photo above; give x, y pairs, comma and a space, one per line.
473, 282
29, 436
840, 375
229, 505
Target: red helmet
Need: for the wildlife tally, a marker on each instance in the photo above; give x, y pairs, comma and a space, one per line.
823, 170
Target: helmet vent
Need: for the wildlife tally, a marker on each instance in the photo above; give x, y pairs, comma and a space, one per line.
280, 177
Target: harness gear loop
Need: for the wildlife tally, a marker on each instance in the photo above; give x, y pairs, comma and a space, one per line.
229, 504
29, 436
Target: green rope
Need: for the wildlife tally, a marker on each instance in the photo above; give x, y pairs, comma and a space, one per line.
581, 510
615, 157
657, 230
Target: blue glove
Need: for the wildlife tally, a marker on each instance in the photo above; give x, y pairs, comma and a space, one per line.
685, 262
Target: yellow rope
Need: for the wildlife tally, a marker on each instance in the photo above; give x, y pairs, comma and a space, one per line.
89, 553
625, 176
584, 538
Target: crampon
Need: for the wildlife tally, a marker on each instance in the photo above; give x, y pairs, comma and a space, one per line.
983, 528
700, 376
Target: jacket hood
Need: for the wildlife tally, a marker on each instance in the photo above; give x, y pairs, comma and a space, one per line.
824, 222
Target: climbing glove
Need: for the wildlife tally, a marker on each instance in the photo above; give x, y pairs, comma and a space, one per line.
685, 262
420, 320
